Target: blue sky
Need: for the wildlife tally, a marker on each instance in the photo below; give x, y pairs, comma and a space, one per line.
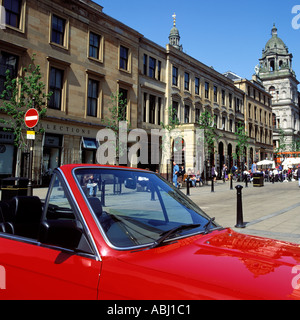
228, 35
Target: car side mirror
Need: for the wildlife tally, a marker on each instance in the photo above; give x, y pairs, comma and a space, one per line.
66, 234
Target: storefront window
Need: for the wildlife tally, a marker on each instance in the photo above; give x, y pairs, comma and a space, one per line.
51, 155
89, 149
6, 153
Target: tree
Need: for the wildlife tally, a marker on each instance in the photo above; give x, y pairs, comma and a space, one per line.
242, 139
118, 114
206, 123
19, 95
282, 146
173, 121
172, 124
117, 110
295, 145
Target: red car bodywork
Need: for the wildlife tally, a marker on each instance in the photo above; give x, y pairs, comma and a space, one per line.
222, 264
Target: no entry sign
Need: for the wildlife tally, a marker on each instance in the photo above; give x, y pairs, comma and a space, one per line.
31, 118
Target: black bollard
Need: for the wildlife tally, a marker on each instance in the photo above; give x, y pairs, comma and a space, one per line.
212, 185
231, 186
187, 186
246, 180
239, 208
152, 194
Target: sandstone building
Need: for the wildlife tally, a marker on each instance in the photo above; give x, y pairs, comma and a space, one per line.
86, 56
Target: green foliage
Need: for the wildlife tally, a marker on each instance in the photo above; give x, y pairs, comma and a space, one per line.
173, 121
242, 139
282, 146
295, 145
18, 96
206, 123
118, 112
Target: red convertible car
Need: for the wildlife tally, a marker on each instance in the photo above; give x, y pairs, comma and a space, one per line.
117, 233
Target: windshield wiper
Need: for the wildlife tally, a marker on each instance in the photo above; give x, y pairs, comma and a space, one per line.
167, 234
207, 225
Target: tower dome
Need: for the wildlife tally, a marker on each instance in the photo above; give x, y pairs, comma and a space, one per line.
275, 59
174, 37
275, 44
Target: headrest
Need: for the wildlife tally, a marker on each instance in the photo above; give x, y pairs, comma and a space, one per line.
96, 206
27, 209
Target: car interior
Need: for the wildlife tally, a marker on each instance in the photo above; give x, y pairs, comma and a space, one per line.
15, 218
132, 208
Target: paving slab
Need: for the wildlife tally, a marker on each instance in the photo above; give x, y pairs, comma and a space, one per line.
271, 211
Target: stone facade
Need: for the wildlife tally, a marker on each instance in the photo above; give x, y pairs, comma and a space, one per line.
258, 118
69, 125
279, 79
86, 56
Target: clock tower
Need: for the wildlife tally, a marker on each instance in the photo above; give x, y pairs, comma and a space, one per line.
277, 76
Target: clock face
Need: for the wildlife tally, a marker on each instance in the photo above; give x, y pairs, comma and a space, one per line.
2, 148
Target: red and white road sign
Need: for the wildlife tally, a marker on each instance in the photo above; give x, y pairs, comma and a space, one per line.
31, 118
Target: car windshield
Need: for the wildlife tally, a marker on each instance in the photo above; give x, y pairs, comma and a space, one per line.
138, 208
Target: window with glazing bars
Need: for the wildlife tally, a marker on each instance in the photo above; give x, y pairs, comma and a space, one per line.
92, 103
58, 30
8, 62
152, 67
186, 81
94, 45
175, 77
56, 86
12, 12
124, 58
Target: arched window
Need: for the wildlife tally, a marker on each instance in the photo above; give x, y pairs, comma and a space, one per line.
272, 90
272, 65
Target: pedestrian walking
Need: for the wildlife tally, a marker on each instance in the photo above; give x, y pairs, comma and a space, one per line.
298, 175
224, 173
175, 174
214, 173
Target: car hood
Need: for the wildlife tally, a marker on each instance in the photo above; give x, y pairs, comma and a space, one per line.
224, 265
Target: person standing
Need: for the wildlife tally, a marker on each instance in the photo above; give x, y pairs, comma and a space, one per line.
175, 173
298, 175
214, 173
181, 173
226, 173
253, 167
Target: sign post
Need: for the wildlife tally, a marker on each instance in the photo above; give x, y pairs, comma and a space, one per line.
31, 120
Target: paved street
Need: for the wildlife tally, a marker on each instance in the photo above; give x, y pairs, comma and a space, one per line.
271, 211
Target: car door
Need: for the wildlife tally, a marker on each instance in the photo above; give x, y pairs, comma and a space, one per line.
48, 267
